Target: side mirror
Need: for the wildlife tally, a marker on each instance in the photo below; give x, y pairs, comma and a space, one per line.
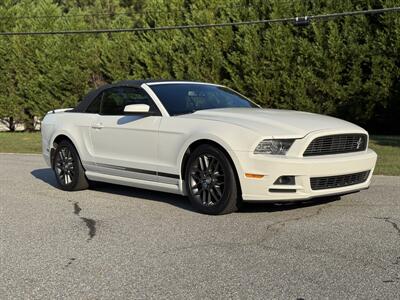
134, 109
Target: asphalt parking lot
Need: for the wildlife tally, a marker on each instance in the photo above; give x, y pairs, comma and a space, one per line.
116, 242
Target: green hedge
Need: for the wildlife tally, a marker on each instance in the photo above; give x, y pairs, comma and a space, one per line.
347, 67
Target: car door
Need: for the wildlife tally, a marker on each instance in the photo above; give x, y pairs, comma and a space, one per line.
126, 145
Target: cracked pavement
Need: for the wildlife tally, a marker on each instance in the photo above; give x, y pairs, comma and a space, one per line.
115, 242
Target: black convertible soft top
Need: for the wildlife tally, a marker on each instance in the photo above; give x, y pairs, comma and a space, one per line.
87, 100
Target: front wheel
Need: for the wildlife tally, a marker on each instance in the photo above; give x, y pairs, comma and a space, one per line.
68, 168
210, 181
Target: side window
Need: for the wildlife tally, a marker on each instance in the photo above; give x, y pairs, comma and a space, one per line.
94, 107
138, 96
113, 102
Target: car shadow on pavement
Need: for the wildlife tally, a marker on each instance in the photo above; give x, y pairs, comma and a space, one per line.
257, 207
143, 194
46, 175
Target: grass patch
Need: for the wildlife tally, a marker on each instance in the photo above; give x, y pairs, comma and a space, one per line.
388, 150
387, 147
20, 142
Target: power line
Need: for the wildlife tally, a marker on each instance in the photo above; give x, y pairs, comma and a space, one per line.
296, 20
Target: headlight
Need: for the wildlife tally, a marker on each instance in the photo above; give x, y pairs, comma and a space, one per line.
276, 147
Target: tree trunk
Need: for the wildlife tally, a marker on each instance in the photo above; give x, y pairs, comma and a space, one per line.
29, 122
11, 124
30, 125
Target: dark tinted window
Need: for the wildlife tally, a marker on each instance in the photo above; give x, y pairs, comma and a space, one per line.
94, 107
115, 100
137, 96
187, 98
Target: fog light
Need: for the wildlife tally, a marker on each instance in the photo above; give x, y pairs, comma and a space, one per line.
286, 180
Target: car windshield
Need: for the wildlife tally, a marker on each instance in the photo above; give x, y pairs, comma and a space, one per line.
185, 98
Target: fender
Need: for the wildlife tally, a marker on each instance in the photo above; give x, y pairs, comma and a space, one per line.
215, 139
55, 136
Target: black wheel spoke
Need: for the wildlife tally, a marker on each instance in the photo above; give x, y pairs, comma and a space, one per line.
206, 179
215, 170
211, 164
201, 164
64, 166
219, 182
204, 197
64, 154
196, 177
218, 190
209, 197
212, 192
61, 156
198, 192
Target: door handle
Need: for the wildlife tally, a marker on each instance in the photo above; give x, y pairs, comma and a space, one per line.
97, 126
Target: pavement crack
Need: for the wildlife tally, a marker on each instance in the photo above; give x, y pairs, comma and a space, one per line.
390, 221
284, 222
394, 279
258, 243
397, 259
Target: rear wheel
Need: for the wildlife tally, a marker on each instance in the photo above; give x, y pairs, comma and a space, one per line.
68, 168
210, 181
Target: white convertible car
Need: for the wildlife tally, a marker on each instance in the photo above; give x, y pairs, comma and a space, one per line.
204, 141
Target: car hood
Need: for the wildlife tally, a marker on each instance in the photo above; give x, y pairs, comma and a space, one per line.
274, 122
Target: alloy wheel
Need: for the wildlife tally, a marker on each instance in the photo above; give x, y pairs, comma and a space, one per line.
64, 166
207, 179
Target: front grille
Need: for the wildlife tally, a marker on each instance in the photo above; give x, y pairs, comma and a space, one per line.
331, 182
336, 144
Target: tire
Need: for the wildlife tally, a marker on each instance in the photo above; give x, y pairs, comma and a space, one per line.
210, 181
68, 168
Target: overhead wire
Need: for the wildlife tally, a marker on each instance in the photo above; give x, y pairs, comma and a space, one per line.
305, 20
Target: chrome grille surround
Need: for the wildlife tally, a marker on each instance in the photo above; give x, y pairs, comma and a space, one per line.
331, 182
337, 144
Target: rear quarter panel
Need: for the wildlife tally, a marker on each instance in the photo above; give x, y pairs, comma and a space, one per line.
75, 126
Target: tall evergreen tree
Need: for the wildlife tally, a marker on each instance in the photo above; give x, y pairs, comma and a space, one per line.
347, 67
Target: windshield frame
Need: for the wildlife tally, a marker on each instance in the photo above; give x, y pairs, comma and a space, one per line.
153, 93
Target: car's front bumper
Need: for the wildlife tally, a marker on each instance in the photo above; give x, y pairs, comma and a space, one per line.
303, 168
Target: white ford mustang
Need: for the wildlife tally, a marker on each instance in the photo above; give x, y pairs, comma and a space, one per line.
204, 141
